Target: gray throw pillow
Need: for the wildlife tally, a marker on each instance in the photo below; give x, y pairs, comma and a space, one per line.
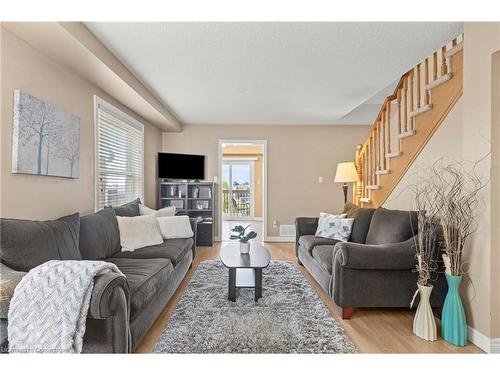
25, 244
391, 226
362, 218
128, 209
99, 235
8, 282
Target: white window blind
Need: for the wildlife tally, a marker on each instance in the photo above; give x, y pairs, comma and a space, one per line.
119, 156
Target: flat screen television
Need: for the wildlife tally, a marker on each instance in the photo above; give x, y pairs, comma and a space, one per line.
181, 166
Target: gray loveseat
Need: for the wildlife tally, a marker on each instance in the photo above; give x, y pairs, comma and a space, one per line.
376, 268
122, 309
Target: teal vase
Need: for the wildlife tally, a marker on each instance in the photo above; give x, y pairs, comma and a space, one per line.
453, 324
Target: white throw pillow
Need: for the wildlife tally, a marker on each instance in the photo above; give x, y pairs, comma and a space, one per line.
335, 227
165, 211
175, 227
139, 231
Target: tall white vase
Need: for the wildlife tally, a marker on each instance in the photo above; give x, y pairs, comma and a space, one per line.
424, 324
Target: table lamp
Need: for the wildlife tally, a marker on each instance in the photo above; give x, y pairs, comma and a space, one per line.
346, 172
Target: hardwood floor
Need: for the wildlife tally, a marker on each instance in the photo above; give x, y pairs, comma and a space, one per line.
371, 330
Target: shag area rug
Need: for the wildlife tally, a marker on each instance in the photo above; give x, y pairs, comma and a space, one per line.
289, 318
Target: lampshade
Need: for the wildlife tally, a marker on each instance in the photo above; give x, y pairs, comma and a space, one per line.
346, 172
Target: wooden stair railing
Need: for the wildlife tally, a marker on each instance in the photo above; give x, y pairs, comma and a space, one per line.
406, 121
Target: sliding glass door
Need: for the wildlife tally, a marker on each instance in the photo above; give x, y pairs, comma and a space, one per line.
237, 189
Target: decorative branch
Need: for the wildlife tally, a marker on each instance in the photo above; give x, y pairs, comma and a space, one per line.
446, 198
427, 238
459, 187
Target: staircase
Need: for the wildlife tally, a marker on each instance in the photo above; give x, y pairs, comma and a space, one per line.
407, 120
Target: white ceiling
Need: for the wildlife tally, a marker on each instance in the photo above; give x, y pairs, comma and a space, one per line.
272, 73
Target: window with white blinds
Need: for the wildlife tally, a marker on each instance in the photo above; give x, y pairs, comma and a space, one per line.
119, 156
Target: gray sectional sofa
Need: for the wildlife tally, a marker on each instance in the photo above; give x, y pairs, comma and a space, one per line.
122, 309
375, 268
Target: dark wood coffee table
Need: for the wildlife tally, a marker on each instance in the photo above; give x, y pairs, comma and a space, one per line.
245, 270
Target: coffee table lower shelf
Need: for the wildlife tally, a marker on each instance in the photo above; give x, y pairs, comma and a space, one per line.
244, 278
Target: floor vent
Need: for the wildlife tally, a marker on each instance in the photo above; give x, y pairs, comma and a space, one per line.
287, 230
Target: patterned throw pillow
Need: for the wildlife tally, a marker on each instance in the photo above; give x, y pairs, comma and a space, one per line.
335, 227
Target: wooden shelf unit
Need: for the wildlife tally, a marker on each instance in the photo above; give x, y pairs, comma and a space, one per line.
194, 199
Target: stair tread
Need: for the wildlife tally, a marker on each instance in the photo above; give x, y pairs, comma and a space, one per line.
439, 81
454, 50
382, 171
406, 134
365, 200
373, 187
423, 109
393, 154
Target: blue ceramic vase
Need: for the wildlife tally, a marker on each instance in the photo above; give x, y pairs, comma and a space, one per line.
453, 323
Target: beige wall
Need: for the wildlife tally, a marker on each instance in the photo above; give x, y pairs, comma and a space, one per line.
481, 41
469, 132
297, 156
39, 197
258, 171
495, 198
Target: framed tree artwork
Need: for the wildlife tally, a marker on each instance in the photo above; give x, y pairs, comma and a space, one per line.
45, 139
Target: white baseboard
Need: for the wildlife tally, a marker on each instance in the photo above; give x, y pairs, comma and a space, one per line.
279, 239
483, 342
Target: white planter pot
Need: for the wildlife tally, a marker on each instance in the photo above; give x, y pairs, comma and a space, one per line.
244, 247
424, 324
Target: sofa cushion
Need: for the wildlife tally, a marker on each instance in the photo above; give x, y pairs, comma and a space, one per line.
99, 235
128, 209
174, 250
25, 244
362, 218
309, 241
391, 226
324, 256
145, 278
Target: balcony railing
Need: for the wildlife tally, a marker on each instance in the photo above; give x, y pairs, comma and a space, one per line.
236, 203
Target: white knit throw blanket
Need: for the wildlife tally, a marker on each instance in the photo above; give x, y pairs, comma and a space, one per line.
49, 308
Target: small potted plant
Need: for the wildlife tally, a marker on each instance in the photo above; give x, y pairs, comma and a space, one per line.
238, 233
